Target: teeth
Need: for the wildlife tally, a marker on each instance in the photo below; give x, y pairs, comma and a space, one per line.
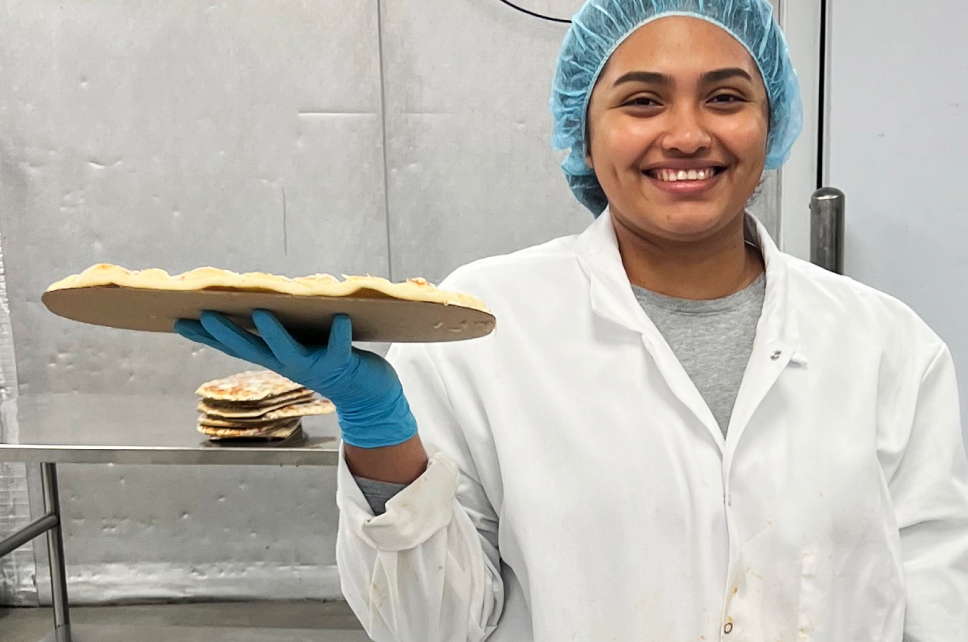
672, 176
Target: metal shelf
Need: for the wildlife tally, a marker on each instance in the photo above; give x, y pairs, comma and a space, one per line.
130, 429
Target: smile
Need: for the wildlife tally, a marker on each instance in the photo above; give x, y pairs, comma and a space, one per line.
685, 182
674, 175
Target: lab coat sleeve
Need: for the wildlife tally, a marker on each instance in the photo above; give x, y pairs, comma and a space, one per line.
930, 493
428, 569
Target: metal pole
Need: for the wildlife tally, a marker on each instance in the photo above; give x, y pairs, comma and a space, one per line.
55, 548
29, 532
827, 211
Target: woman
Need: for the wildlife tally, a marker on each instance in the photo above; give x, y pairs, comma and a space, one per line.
677, 432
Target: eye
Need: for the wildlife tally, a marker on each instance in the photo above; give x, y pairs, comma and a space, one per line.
642, 101
726, 99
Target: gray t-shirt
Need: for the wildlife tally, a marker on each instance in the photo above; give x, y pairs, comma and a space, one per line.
712, 339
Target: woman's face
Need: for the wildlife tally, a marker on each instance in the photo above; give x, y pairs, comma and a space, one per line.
678, 126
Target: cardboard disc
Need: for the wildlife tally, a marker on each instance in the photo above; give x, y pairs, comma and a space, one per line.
308, 318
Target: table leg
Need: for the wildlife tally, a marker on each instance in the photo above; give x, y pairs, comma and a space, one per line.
55, 548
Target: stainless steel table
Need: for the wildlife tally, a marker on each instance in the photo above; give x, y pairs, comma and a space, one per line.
58, 429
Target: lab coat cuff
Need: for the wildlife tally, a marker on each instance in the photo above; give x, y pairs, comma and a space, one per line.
412, 517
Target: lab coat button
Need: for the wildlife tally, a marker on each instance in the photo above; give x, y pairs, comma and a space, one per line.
776, 355
728, 628
729, 500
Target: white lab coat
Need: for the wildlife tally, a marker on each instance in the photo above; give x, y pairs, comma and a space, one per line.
580, 489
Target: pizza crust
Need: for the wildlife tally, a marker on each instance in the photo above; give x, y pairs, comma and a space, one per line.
218, 418
314, 407
229, 410
256, 404
245, 408
278, 431
417, 289
249, 386
246, 424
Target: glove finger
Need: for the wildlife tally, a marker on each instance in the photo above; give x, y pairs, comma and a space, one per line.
340, 345
246, 345
193, 331
280, 342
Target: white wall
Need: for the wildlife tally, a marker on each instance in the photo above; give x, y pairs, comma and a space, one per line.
898, 136
801, 22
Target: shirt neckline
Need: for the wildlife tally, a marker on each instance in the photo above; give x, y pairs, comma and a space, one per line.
746, 296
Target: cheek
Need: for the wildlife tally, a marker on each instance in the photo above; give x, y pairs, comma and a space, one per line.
623, 141
745, 138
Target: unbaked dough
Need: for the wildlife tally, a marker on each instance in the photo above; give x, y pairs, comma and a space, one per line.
205, 278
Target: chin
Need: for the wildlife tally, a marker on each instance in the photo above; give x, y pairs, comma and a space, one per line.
681, 222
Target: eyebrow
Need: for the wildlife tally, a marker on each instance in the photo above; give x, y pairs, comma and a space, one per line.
654, 78
649, 77
720, 75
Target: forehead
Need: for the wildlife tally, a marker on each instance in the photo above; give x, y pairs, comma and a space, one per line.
680, 44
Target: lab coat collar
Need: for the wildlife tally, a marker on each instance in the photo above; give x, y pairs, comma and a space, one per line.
612, 296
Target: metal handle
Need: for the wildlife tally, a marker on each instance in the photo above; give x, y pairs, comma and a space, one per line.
827, 210
26, 534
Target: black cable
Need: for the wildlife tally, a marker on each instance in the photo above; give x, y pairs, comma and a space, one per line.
822, 97
536, 15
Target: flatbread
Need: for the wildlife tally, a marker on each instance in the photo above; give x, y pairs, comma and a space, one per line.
315, 407
301, 409
206, 278
217, 422
248, 386
295, 396
253, 409
282, 431
281, 436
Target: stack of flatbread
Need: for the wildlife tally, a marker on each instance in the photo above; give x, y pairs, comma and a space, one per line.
256, 405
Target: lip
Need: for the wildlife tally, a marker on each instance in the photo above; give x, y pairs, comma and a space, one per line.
686, 188
683, 164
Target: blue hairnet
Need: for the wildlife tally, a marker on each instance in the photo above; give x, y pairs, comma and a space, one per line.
600, 26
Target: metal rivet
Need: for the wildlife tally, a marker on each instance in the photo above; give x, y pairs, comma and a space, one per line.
776, 355
728, 628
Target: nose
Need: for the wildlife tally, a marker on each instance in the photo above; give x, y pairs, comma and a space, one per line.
686, 133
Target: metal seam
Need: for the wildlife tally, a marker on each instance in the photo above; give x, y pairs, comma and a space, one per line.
383, 131
18, 569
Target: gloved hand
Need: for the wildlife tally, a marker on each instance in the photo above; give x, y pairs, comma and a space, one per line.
369, 400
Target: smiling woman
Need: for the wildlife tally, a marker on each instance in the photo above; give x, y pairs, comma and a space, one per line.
677, 137
670, 121
604, 26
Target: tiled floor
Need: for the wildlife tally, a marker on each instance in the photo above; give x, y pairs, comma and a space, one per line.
213, 622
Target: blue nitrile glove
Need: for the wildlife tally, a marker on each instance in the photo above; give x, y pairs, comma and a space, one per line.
369, 400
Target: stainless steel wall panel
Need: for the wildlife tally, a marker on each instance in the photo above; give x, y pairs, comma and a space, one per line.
182, 531
18, 568
243, 135
471, 169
